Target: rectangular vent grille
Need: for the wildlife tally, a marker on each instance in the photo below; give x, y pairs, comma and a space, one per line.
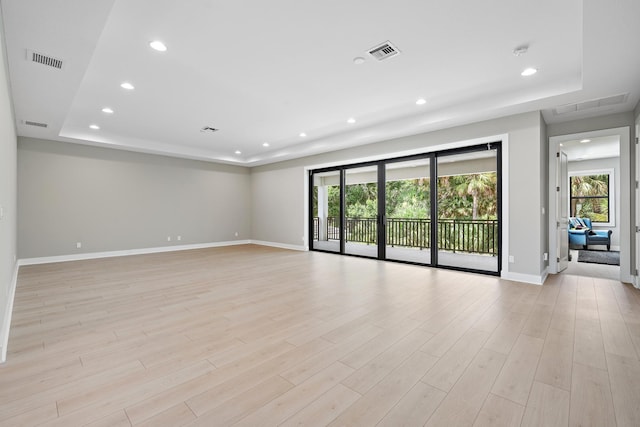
208, 129
40, 125
591, 104
384, 51
49, 61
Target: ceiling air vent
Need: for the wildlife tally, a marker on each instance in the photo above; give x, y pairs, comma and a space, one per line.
384, 51
209, 129
593, 103
40, 58
36, 124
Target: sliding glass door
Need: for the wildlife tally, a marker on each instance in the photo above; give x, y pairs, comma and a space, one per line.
408, 211
467, 231
361, 211
440, 209
325, 211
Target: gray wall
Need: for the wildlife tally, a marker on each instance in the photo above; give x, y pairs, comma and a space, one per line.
117, 200
608, 163
7, 184
278, 190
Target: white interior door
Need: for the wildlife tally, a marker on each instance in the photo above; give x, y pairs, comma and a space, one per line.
562, 211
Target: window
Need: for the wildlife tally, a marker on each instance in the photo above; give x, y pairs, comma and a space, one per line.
591, 195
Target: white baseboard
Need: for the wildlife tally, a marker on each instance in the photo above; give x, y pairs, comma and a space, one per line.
6, 322
143, 251
544, 275
278, 245
525, 278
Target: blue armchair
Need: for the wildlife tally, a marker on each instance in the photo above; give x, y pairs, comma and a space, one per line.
582, 233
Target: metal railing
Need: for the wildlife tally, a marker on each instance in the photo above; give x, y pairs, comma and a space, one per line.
333, 228
456, 235
472, 236
362, 230
409, 232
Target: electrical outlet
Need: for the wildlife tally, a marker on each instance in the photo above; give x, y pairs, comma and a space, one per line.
78, 245
236, 234
168, 238
179, 237
1, 212
511, 259
546, 257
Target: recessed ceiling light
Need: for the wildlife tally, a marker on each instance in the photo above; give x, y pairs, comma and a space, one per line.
421, 101
302, 134
238, 152
266, 144
584, 141
158, 45
127, 85
107, 110
528, 72
351, 120
94, 127
358, 60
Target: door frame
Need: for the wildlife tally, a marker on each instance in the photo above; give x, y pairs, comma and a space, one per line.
626, 217
562, 194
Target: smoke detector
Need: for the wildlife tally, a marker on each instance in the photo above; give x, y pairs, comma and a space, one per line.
520, 50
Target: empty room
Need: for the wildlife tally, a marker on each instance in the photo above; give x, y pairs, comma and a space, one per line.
319, 213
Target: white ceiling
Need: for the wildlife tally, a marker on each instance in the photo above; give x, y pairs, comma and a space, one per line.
267, 71
592, 148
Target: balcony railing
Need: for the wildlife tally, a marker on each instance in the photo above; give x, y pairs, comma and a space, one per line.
478, 236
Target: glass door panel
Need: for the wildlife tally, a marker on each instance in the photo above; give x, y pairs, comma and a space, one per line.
467, 229
326, 211
407, 211
361, 211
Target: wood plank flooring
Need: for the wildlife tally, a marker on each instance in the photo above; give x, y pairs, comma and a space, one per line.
256, 336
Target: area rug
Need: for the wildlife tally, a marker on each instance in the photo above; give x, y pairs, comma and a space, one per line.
599, 257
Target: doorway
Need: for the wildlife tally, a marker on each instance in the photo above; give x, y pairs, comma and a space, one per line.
596, 186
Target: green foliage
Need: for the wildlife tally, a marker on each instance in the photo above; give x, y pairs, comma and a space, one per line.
460, 197
590, 185
333, 194
590, 197
361, 200
408, 198
471, 196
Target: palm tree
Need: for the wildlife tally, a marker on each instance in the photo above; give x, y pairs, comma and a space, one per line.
476, 185
589, 186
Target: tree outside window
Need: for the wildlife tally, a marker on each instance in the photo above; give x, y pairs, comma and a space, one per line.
590, 196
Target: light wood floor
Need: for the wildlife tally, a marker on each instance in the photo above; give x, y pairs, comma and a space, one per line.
255, 336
